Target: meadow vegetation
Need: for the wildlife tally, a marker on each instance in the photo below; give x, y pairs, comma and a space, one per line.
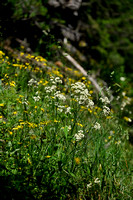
59, 138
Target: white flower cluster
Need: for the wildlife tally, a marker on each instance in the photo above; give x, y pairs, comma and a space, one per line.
97, 126
122, 78
32, 82
89, 185
59, 96
60, 108
50, 89
25, 102
68, 110
81, 94
78, 86
69, 127
55, 80
79, 135
106, 110
90, 103
96, 181
125, 102
105, 100
36, 98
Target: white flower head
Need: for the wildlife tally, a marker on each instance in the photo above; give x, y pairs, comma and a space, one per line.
60, 108
97, 181
80, 92
50, 89
79, 135
32, 82
78, 86
68, 110
90, 103
106, 110
60, 96
36, 98
69, 127
122, 78
105, 100
55, 80
89, 185
25, 102
58, 80
97, 126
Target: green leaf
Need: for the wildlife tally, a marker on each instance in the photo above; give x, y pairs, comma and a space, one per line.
66, 131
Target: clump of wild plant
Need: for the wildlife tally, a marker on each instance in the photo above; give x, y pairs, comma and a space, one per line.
56, 143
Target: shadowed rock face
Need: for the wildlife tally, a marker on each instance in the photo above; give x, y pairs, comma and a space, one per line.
71, 4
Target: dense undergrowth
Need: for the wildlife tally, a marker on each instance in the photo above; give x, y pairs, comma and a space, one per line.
59, 140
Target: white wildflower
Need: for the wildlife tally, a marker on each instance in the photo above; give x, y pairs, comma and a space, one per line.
112, 132
106, 110
122, 78
118, 97
118, 142
105, 100
82, 99
97, 126
123, 93
58, 80
60, 108
50, 89
32, 82
76, 91
78, 86
81, 93
79, 135
55, 80
60, 96
68, 110
36, 98
97, 180
89, 185
125, 102
25, 102
69, 127
52, 80
90, 103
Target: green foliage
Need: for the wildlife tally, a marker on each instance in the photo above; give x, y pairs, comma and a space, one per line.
57, 140
105, 27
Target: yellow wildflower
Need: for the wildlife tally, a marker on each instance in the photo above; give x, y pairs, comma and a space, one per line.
12, 83
48, 156
91, 91
42, 109
83, 78
33, 137
127, 119
29, 161
15, 112
77, 160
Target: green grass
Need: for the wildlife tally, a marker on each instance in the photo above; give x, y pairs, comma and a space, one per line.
58, 140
